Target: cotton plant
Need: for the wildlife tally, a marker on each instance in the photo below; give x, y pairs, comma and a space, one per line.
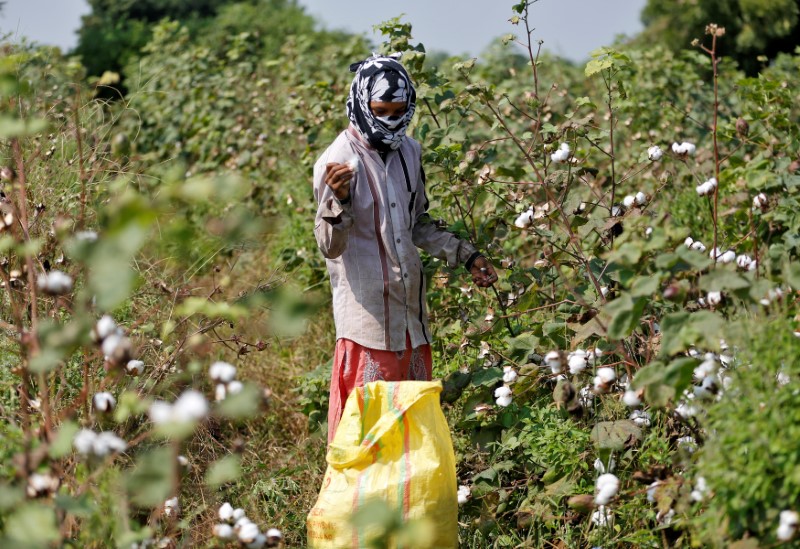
235, 525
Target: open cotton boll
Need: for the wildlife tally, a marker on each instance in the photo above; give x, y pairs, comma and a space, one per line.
258, 543
631, 398
524, 219
553, 361
727, 257
577, 361
640, 198
160, 412
190, 406
220, 392
248, 532
714, 298
235, 387
54, 282
135, 367
640, 418
502, 396
171, 506
83, 441
629, 201
602, 517
104, 327
354, 163
616, 211
223, 531
225, 512
464, 493
608, 375
787, 527
688, 242
274, 535
509, 374
104, 402
607, 486
222, 372
688, 148
655, 153
238, 514
743, 261
106, 443
760, 200
699, 246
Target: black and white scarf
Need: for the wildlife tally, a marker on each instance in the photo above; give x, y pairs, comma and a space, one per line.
380, 78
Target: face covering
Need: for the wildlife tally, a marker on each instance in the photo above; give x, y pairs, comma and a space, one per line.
384, 79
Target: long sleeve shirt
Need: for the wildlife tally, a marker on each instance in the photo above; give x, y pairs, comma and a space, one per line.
370, 243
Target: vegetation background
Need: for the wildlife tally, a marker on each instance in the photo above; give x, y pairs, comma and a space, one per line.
160, 175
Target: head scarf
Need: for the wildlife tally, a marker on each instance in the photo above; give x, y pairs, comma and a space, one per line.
380, 78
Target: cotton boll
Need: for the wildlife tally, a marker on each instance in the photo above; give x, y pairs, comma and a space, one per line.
652, 490
223, 531
785, 532
160, 412
104, 328
743, 261
238, 514
225, 512
608, 375
54, 283
601, 468
258, 543
509, 374
220, 392
83, 441
688, 148
116, 345
676, 148
248, 533
464, 494
553, 361
654, 153
502, 396
628, 201
235, 387
631, 398
171, 507
686, 410
135, 367
616, 211
108, 442
354, 163
602, 517
607, 486
688, 242
577, 362
222, 372
524, 219
727, 257
699, 246
700, 489
760, 200
648, 231
104, 402
640, 198
41, 484
274, 536
190, 406
640, 418
787, 528
604, 291
714, 298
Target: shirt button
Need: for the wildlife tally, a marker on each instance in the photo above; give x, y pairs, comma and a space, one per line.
393, 204
398, 241
405, 275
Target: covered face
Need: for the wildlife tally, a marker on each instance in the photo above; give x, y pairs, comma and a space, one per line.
380, 79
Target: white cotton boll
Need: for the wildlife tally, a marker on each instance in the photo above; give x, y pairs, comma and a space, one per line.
602, 517
686, 410
688, 242
108, 442
135, 367
464, 494
577, 362
354, 163
503, 396
524, 220
274, 535
714, 298
41, 484
640, 418
105, 327
601, 468
699, 246
113, 342
235, 387
760, 200
248, 532
608, 375
782, 378
484, 349
726, 359
553, 361
220, 392
648, 231
223, 531
654, 153
509, 374
743, 261
104, 402
688, 148
708, 367
83, 441
86, 236
727, 257
640, 198
652, 489
676, 148
628, 201
607, 486
258, 543
714, 253
787, 528
190, 406
692, 352
171, 506
785, 532
225, 512
753, 265
54, 282
631, 398
700, 489
222, 372
616, 211
160, 412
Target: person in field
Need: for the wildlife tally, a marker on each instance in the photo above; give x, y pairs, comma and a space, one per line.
372, 217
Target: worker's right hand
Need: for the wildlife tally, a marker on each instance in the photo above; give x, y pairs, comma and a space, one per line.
337, 177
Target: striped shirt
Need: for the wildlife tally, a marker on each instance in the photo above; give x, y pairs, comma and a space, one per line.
370, 244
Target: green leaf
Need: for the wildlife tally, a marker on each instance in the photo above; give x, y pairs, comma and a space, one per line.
650, 374
722, 279
521, 346
616, 435
80, 507
625, 313
62, 444
242, 405
16, 127
224, 470
151, 480
32, 525
791, 274
682, 329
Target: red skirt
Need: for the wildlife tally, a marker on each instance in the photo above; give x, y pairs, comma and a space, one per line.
355, 366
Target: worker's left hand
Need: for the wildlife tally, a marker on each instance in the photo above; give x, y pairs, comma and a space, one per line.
483, 273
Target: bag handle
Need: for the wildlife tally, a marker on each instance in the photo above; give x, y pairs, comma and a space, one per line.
344, 456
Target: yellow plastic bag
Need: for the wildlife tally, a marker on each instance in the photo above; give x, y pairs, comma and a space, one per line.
393, 444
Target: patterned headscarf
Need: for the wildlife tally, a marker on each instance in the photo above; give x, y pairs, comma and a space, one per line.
380, 78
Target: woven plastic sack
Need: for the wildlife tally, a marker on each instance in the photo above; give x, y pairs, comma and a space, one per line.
392, 443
